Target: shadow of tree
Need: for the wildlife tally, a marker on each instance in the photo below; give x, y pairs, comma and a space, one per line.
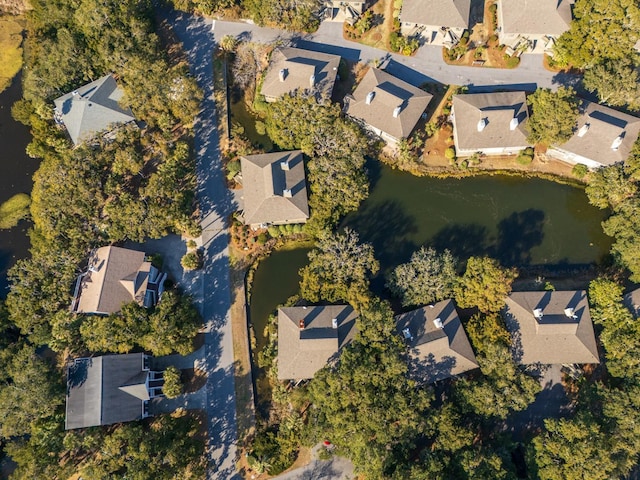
518, 234
463, 241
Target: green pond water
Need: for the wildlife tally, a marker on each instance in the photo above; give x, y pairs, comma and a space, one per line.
521, 222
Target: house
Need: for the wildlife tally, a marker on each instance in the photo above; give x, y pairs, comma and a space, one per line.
438, 345
603, 136
632, 302
491, 123
110, 389
275, 190
551, 327
116, 276
311, 337
386, 105
532, 25
344, 10
438, 22
92, 108
294, 69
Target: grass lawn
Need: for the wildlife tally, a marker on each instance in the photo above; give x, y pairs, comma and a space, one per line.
10, 49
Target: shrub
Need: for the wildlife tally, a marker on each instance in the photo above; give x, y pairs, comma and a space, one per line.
192, 244
579, 170
450, 153
513, 62
431, 128
262, 238
274, 231
191, 261
172, 383
261, 128
493, 8
233, 167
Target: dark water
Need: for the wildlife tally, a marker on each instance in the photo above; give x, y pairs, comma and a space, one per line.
241, 115
521, 222
16, 170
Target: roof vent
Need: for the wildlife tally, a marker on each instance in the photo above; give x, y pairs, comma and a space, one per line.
334, 323
583, 129
284, 165
396, 111
74, 93
538, 313
301, 324
616, 143
282, 74
407, 334
369, 98
481, 124
287, 193
438, 323
569, 312
312, 80
513, 124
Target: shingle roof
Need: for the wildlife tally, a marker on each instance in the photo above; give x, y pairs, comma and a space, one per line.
558, 336
632, 302
115, 276
92, 108
437, 352
389, 93
496, 110
302, 352
105, 390
437, 13
535, 17
603, 126
299, 66
267, 181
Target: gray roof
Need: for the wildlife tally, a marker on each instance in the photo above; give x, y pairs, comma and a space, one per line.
497, 110
436, 352
106, 390
558, 336
92, 108
389, 93
436, 13
275, 189
299, 66
304, 351
632, 302
535, 17
115, 276
603, 126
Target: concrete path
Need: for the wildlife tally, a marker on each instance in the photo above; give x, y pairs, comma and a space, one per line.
337, 468
426, 66
210, 286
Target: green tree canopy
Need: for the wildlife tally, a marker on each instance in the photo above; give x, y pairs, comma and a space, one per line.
615, 81
485, 284
553, 116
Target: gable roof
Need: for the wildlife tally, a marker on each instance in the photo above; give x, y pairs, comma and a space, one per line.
632, 302
437, 352
115, 276
105, 390
302, 352
555, 337
267, 179
598, 128
92, 108
496, 111
389, 93
436, 13
298, 67
535, 17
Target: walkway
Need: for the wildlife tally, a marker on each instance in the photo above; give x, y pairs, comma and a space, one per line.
336, 468
426, 66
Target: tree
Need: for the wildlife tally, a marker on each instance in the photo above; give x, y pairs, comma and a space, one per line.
616, 82
428, 277
609, 187
191, 261
553, 117
485, 284
172, 387
339, 269
228, 43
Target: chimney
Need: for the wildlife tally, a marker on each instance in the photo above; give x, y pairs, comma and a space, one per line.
616, 143
287, 193
396, 111
334, 323
513, 124
569, 313
481, 124
438, 323
301, 324
312, 81
407, 334
369, 98
583, 129
284, 165
538, 313
282, 75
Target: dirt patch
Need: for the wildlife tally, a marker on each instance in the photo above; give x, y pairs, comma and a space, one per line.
382, 26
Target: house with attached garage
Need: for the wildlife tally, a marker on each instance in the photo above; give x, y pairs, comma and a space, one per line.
438, 345
311, 337
386, 105
603, 136
438, 22
92, 108
490, 123
294, 70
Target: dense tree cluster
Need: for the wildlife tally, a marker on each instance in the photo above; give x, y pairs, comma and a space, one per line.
553, 115
485, 285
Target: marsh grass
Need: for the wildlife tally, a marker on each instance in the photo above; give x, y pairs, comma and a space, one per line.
14, 210
10, 49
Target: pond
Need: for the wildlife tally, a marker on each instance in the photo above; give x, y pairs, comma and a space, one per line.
242, 116
521, 222
16, 170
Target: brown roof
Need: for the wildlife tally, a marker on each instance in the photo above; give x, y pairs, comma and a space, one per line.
299, 66
437, 352
275, 190
598, 128
389, 93
115, 276
535, 17
556, 335
496, 111
437, 13
302, 352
